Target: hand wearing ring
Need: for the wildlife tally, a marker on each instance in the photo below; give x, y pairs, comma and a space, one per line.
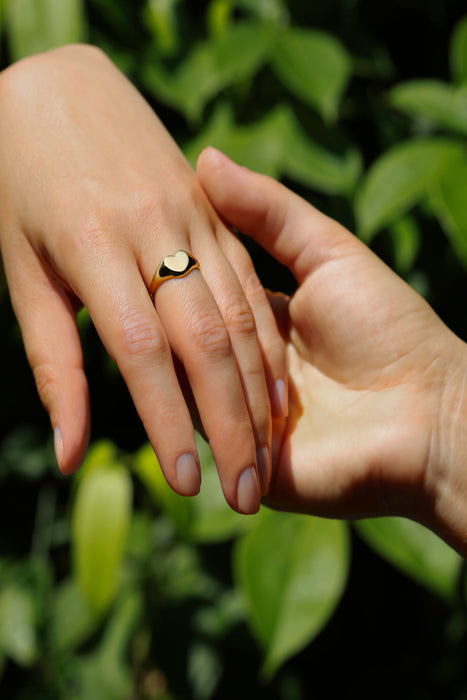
115, 196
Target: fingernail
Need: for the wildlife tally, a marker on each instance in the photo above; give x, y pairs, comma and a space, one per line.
58, 445
262, 460
248, 492
188, 478
280, 397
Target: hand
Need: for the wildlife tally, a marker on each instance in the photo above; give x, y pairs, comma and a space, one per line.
93, 195
377, 382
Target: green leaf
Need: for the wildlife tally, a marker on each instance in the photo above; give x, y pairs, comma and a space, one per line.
310, 164
72, 620
179, 508
314, 66
219, 16
18, 619
406, 239
292, 570
101, 518
416, 551
450, 198
458, 52
159, 17
258, 146
400, 179
270, 10
211, 67
38, 25
439, 103
278, 145
104, 674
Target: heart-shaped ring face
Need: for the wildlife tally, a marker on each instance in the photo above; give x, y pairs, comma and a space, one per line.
177, 263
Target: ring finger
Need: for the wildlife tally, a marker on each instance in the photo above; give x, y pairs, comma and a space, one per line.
199, 337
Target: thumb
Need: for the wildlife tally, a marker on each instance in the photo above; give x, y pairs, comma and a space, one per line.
293, 231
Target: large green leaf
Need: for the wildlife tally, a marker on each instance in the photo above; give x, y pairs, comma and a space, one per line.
458, 52
278, 145
400, 179
451, 203
442, 104
101, 518
212, 66
416, 551
37, 25
292, 570
314, 66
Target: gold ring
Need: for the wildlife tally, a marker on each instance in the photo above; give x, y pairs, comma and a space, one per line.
172, 266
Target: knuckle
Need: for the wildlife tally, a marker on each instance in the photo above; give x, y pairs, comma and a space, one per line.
138, 338
209, 335
46, 382
238, 316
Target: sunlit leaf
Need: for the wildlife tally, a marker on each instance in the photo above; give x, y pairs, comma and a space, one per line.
314, 66
439, 103
37, 25
18, 633
451, 200
406, 239
400, 179
415, 550
102, 452
219, 16
211, 67
101, 519
276, 146
292, 570
179, 508
270, 10
159, 16
458, 52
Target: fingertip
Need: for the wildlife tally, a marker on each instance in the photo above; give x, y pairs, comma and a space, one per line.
248, 492
188, 475
71, 425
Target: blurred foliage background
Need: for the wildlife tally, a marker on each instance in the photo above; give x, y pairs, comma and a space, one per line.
111, 586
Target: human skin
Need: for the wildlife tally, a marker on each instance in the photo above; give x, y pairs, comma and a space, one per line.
378, 402
93, 195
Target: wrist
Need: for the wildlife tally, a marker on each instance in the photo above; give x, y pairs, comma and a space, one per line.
446, 473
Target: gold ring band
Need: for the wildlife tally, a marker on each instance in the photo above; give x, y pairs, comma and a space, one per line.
178, 265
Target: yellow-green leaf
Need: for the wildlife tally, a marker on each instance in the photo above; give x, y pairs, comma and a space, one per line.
38, 25
458, 52
451, 202
415, 550
400, 179
438, 103
314, 66
101, 518
212, 66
